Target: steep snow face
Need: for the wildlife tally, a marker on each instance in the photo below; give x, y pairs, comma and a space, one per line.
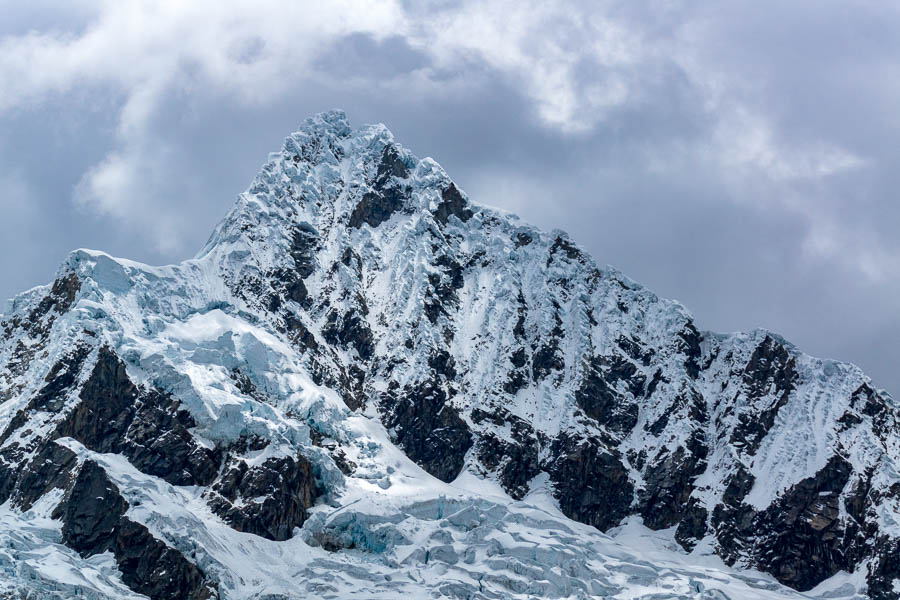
440, 397
406, 277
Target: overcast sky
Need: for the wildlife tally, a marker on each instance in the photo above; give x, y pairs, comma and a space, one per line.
741, 157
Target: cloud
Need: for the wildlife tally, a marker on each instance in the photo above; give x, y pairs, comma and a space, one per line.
123, 186
17, 201
581, 65
18, 225
142, 48
546, 47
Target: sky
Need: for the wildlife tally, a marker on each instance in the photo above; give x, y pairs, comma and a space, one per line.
741, 157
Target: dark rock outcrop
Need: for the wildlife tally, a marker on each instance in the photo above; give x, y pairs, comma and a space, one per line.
350, 331
516, 464
800, 538
304, 243
149, 428
516, 460
599, 397
884, 569
732, 520
91, 512
800, 535
546, 359
452, 203
93, 517
689, 344
37, 326
770, 368
441, 295
387, 196
50, 469
269, 499
428, 428
49, 466
568, 249
152, 568
590, 482
669, 483
692, 527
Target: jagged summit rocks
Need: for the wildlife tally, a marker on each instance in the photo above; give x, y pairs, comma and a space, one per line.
360, 353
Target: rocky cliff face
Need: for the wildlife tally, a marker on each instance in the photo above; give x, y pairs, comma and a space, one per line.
357, 332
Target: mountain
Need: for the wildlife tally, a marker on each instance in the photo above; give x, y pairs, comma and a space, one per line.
366, 385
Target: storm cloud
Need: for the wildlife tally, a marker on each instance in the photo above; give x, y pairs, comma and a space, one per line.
740, 157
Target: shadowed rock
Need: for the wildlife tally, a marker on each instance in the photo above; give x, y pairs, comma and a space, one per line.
770, 370
93, 522
452, 203
590, 482
268, 500
147, 427
387, 195
598, 394
428, 429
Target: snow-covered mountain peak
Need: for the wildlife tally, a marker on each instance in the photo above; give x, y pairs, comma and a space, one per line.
365, 373
327, 181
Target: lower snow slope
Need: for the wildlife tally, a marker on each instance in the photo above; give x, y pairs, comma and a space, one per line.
390, 530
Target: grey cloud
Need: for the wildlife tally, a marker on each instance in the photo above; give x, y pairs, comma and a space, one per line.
361, 55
